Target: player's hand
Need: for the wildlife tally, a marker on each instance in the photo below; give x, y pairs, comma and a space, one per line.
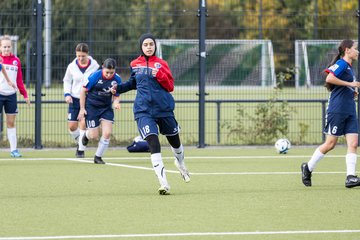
113, 89
68, 99
355, 84
13, 85
82, 114
27, 100
116, 106
154, 71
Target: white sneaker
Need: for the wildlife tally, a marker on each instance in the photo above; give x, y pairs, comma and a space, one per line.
182, 169
164, 190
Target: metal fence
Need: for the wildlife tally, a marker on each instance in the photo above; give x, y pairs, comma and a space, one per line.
226, 112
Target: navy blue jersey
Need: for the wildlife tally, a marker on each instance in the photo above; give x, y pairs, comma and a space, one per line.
341, 98
153, 98
98, 89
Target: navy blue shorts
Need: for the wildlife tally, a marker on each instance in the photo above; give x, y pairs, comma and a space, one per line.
74, 109
9, 103
168, 126
95, 114
338, 124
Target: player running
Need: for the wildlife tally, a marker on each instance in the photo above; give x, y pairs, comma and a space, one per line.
96, 101
78, 70
154, 108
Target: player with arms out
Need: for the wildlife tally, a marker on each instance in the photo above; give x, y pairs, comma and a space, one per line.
10, 82
340, 115
78, 70
96, 106
154, 108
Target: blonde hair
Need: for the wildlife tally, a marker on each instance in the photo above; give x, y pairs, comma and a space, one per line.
5, 37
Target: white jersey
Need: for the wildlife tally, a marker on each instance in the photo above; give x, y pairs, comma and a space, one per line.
5, 88
73, 79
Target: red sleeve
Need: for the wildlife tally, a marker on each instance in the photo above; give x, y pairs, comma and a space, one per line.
19, 81
165, 78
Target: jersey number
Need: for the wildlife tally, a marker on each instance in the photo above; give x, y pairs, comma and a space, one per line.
146, 129
334, 130
90, 123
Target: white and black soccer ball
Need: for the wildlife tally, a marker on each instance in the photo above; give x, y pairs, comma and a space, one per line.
282, 145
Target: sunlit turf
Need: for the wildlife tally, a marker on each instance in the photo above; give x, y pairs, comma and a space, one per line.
232, 190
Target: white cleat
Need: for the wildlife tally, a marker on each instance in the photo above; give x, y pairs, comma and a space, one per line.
182, 169
164, 190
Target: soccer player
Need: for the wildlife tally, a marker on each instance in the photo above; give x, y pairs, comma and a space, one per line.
8, 100
154, 107
78, 70
96, 101
341, 113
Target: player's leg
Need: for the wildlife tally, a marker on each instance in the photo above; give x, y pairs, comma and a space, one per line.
335, 126
351, 136
73, 125
11, 110
149, 131
170, 128
92, 122
106, 127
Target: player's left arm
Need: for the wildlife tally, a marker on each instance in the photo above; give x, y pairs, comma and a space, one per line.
20, 84
164, 76
116, 96
116, 102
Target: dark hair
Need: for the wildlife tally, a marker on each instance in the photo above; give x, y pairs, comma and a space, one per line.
109, 63
346, 43
82, 47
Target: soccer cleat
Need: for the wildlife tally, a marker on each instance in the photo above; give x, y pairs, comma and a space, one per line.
85, 140
182, 169
15, 154
352, 181
306, 175
164, 190
79, 153
98, 160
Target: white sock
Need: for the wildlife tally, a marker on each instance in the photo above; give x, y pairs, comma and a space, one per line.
178, 153
350, 163
87, 134
75, 134
315, 159
159, 168
81, 146
102, 146
11, 135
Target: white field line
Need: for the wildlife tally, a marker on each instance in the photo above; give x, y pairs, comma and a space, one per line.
85, 160
183, 234
187, 157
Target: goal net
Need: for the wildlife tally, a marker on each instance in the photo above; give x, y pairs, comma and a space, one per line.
311, 58
228, 62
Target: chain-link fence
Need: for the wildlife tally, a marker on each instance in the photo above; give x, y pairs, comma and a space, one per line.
250, 63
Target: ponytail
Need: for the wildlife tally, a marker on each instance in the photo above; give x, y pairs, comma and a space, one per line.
347, 43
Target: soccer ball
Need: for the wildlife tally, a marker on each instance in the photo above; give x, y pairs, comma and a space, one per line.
282, 145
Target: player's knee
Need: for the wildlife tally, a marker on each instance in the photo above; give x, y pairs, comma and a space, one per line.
93, 135
154, 143
73, 128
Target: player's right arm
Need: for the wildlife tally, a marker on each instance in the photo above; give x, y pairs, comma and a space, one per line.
82, 111
67, 85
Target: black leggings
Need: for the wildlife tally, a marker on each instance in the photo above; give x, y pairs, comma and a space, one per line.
154, 143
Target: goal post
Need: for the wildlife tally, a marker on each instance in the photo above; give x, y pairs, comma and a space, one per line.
228, 62
311, 58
